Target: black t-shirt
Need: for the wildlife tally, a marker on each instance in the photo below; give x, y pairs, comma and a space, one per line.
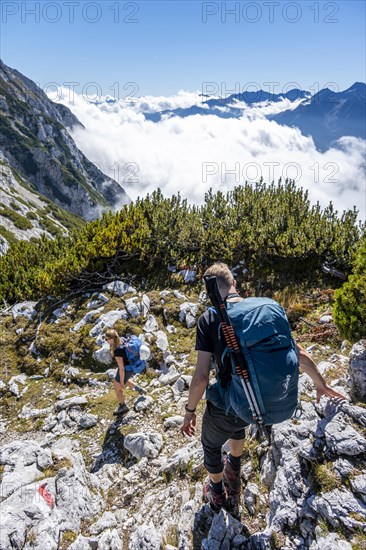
210, 338
121, 352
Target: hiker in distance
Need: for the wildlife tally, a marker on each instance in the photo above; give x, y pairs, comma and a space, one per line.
130, 355
272, 359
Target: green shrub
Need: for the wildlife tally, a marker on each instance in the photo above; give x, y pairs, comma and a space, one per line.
278, 236
31, 215
49, 226
14, 206
18, 220
350, 300
8, 235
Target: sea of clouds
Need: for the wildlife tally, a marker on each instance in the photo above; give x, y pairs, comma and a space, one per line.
193, 154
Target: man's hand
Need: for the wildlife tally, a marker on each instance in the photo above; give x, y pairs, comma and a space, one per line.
308, 366
189, 423
325, 389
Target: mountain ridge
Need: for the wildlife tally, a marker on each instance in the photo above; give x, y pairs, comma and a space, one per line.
35, 141
326, 116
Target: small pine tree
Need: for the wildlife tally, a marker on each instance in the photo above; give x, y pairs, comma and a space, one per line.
350, 300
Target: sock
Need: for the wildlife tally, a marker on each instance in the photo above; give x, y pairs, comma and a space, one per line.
217, 488
234, 461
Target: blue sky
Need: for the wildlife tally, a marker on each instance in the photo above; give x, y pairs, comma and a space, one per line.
165, 46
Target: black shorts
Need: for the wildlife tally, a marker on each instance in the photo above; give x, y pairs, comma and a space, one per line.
217, 428
128, 374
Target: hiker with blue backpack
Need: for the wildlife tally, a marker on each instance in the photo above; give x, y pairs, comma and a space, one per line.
131, 356
257, 369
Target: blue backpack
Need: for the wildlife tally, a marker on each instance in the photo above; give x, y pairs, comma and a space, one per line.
132, 347
264, 334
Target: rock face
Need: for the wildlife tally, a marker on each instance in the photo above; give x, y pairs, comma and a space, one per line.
142, 481
45, 505
36, 143
25, 213
357, 370
143, 444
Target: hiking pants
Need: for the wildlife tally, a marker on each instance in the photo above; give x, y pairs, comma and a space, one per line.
217, 428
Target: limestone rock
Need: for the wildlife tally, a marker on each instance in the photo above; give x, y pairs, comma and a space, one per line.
325, 366
223, 530
189, 275
133, 307
83, 543
173, 422
49, 506
358, 486
4, 245
107, 521
143, 444
340, 507
170, 376
71, 402
86, 319
162, 340
59, 313
93, 304
24, 309
20, 379
151, 324
110, 540
179, 386
108, 320
179, 461
343, 467
325, 319
179, 295
357, 370
332, 541
87, 421
251, 495
143, 403
146, 537
29, 412
119, 287
343, 439
145, 304
103, 355
188, 312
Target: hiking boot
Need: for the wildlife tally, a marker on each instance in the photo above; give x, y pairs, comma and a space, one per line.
232, 479
140, 390
122, 409
215, 500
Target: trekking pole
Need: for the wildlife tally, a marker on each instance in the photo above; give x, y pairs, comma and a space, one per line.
233, 345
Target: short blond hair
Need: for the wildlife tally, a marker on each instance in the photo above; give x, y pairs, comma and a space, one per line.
221, 271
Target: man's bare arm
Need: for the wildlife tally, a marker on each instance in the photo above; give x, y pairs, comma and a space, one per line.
310, 368
197, 387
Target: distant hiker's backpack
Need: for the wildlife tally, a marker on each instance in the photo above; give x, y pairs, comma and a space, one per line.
132, 347
264, 334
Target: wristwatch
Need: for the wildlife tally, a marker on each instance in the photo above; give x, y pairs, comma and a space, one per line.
188, 410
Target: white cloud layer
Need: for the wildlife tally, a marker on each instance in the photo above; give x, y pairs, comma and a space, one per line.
196, 153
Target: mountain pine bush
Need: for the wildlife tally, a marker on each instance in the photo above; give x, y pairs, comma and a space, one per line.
350, 300
280, 238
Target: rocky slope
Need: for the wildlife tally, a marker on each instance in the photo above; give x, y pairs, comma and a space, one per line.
75, 477
25, 214
35, 141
